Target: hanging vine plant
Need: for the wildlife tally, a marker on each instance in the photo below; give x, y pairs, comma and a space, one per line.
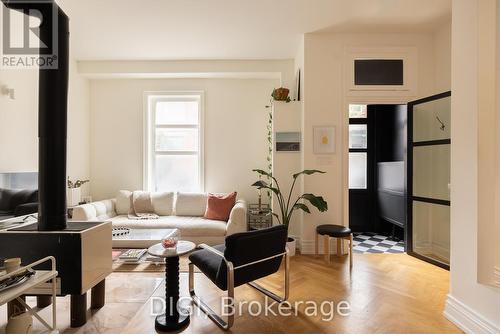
269, 146
278, 94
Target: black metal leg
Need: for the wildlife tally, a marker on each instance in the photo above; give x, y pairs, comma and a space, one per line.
174, 317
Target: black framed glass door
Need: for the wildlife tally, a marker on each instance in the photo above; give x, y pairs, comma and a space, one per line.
360, 168
428, 179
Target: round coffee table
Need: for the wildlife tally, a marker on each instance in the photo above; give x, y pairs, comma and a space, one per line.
175, 317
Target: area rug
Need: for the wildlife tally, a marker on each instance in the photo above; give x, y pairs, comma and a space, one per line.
120, 267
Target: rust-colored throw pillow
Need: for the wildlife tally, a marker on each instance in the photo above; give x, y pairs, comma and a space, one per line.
219, 206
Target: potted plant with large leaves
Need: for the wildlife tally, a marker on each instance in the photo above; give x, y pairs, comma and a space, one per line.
287, 206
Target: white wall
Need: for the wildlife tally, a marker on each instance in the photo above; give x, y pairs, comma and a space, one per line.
287, 117
19, 123
471, 305
497, 152
442, 57
325, 103
78, 127
235, 132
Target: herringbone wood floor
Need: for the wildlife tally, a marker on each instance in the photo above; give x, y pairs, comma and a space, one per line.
388, 293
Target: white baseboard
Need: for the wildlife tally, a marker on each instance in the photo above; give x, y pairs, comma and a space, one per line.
467, 319
297, 240
307, 247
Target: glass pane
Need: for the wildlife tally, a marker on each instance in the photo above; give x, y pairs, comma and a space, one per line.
431, 120
176, 112
378, 72
357, 111
357, 170
431, 231
177, 173
431, 171
176, 139
357, 136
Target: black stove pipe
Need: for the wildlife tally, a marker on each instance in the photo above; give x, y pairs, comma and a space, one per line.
52, 115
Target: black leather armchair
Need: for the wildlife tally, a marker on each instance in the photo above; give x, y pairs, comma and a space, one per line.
15, 202
245, 257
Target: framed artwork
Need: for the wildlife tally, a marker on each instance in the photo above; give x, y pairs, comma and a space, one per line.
324, 139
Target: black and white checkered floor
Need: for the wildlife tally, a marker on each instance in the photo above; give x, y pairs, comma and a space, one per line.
376, 243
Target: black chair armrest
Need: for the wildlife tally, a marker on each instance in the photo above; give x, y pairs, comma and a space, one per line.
26, 209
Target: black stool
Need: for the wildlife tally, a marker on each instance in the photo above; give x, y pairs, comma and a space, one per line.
334, 231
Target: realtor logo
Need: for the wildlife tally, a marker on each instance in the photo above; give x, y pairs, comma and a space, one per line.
23, 45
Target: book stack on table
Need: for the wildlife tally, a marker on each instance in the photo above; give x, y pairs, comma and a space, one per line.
132, 255
135, 256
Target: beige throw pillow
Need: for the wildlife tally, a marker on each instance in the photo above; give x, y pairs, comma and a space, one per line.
123, 200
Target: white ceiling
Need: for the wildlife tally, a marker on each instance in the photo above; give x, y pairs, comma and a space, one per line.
231, 29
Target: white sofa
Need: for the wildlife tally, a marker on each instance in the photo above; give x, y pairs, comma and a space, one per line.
183, 211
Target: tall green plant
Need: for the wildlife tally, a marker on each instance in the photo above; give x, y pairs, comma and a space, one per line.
286, 207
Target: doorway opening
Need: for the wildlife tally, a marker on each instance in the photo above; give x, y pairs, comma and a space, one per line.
377, 155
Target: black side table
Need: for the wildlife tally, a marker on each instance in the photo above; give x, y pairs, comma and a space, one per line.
175, 317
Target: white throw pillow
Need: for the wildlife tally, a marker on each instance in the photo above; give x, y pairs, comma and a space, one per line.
163, 203
123, 202
191, 204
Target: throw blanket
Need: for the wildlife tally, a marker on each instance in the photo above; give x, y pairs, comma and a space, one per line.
141, 206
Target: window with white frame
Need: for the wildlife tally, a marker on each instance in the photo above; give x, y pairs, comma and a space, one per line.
174, 161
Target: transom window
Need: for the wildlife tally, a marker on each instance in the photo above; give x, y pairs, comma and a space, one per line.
174, 142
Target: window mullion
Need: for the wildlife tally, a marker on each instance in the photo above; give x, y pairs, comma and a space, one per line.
176, 153
177, 126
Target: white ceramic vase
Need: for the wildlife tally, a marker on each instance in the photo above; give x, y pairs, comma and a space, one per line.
74, 196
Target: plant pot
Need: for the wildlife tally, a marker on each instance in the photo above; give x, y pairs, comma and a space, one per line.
292, 246
280, 94
74, 196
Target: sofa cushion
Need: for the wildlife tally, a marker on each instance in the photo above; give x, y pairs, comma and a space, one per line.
123, 200
104, 209
188, 226
163, 203
191, 204
219, 206
84, 212
11, 198
26, 209
141, 203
